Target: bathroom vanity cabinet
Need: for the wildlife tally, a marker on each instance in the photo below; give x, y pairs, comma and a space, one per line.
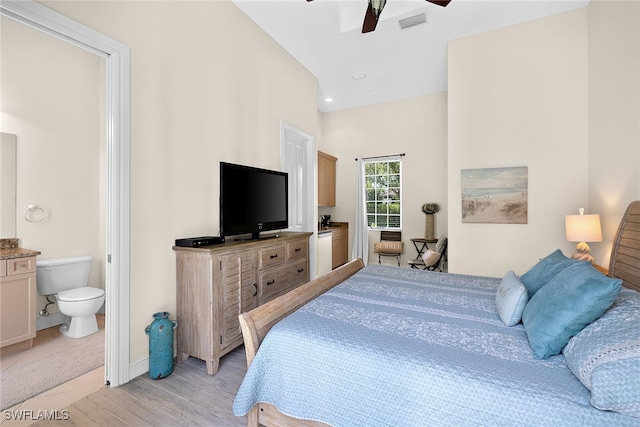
214, 284
18, 296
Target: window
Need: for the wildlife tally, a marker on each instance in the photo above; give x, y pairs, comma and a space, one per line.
382, 188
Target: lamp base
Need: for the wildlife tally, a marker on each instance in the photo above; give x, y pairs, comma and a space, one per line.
582, 253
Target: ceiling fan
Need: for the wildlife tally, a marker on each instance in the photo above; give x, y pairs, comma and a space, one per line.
375, 9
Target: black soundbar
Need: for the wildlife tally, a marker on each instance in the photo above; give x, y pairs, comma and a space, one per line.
196, 242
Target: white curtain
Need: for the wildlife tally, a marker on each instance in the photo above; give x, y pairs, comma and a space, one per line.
361, 235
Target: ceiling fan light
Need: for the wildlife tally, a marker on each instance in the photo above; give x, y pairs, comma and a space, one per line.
377, 6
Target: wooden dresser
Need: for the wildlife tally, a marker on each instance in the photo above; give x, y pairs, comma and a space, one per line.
217, 283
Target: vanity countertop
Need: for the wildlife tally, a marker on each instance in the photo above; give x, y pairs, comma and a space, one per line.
11, 253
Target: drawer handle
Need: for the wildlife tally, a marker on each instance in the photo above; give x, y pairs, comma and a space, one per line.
271, 282
273, 256
300, 270
256, 286
298, 249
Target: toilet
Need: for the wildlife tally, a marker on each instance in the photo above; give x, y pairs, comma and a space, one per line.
67, 279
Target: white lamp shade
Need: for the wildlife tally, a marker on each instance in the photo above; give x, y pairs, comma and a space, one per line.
583, 228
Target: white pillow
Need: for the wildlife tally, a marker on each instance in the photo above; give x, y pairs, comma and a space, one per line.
511, 298
430, 257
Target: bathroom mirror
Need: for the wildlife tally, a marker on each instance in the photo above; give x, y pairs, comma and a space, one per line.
8, 153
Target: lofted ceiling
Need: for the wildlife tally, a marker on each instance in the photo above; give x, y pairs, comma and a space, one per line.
356, 69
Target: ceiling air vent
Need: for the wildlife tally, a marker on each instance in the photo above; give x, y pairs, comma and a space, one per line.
412, 21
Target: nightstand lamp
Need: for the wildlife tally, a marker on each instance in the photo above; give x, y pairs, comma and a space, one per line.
583, 228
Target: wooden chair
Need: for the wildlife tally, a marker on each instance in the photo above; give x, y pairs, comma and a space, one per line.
390, 244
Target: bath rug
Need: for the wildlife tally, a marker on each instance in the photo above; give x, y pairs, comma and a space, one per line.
76, 357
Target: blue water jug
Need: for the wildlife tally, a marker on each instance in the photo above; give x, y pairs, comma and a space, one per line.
160, 333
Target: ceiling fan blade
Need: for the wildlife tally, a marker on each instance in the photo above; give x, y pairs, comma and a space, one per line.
442, 3
370, 20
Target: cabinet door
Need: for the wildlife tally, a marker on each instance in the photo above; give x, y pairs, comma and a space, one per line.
339, 247
326, 179
239, 292
17, 308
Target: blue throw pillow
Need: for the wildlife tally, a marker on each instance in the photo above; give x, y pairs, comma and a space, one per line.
605, 356
545, 270
511, 298
575, 297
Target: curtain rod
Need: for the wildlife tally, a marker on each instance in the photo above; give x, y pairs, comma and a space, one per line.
381, 157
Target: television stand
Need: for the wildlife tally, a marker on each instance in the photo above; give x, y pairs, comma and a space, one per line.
214, 284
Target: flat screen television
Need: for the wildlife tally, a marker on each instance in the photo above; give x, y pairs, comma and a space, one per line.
252, 200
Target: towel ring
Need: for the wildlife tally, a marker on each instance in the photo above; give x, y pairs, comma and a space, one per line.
34, 208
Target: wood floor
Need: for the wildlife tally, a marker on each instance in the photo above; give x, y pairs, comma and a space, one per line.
187, 397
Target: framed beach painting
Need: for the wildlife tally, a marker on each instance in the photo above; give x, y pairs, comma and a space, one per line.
495, 195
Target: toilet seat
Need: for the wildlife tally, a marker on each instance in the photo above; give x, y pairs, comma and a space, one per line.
85, 293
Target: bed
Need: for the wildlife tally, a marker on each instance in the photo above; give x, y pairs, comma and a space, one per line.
381, 345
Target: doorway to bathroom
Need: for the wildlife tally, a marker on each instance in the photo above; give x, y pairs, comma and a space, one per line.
113, 174
58, 117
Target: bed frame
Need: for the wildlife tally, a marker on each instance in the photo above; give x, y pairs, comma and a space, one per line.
624, 264
625, 254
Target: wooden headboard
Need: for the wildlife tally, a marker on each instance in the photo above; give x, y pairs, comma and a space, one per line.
625, 254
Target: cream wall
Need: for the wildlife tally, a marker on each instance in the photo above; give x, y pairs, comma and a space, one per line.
207, 85
53, 99
414, 126
614, 114
518, 96
559, 95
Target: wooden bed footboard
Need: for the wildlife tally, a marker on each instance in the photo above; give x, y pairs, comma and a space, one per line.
256, 323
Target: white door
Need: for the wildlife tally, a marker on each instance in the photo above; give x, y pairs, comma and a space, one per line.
298, 158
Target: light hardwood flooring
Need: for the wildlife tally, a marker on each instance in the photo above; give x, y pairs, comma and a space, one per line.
187, 397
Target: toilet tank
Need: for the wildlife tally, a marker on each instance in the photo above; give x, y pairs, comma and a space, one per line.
60, 274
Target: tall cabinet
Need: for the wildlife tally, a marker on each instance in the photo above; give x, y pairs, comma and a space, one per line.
214, 284
326, 179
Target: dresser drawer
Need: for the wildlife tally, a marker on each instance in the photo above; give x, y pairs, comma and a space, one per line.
297, 249
17, 266
271, 255
276, 281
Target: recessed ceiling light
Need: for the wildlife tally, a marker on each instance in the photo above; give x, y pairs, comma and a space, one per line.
328, 99
358, 76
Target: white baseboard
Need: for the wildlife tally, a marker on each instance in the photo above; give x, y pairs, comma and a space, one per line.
138, 368
142, 366
44, 322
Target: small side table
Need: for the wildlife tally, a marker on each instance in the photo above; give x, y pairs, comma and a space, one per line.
420, 249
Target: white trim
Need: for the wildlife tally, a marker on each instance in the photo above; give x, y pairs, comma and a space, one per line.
117, 58
289, 132
140, 367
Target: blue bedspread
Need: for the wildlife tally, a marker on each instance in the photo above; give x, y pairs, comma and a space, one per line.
404, 347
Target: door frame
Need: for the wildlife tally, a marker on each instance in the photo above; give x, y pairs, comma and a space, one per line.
294, 135
118, 76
